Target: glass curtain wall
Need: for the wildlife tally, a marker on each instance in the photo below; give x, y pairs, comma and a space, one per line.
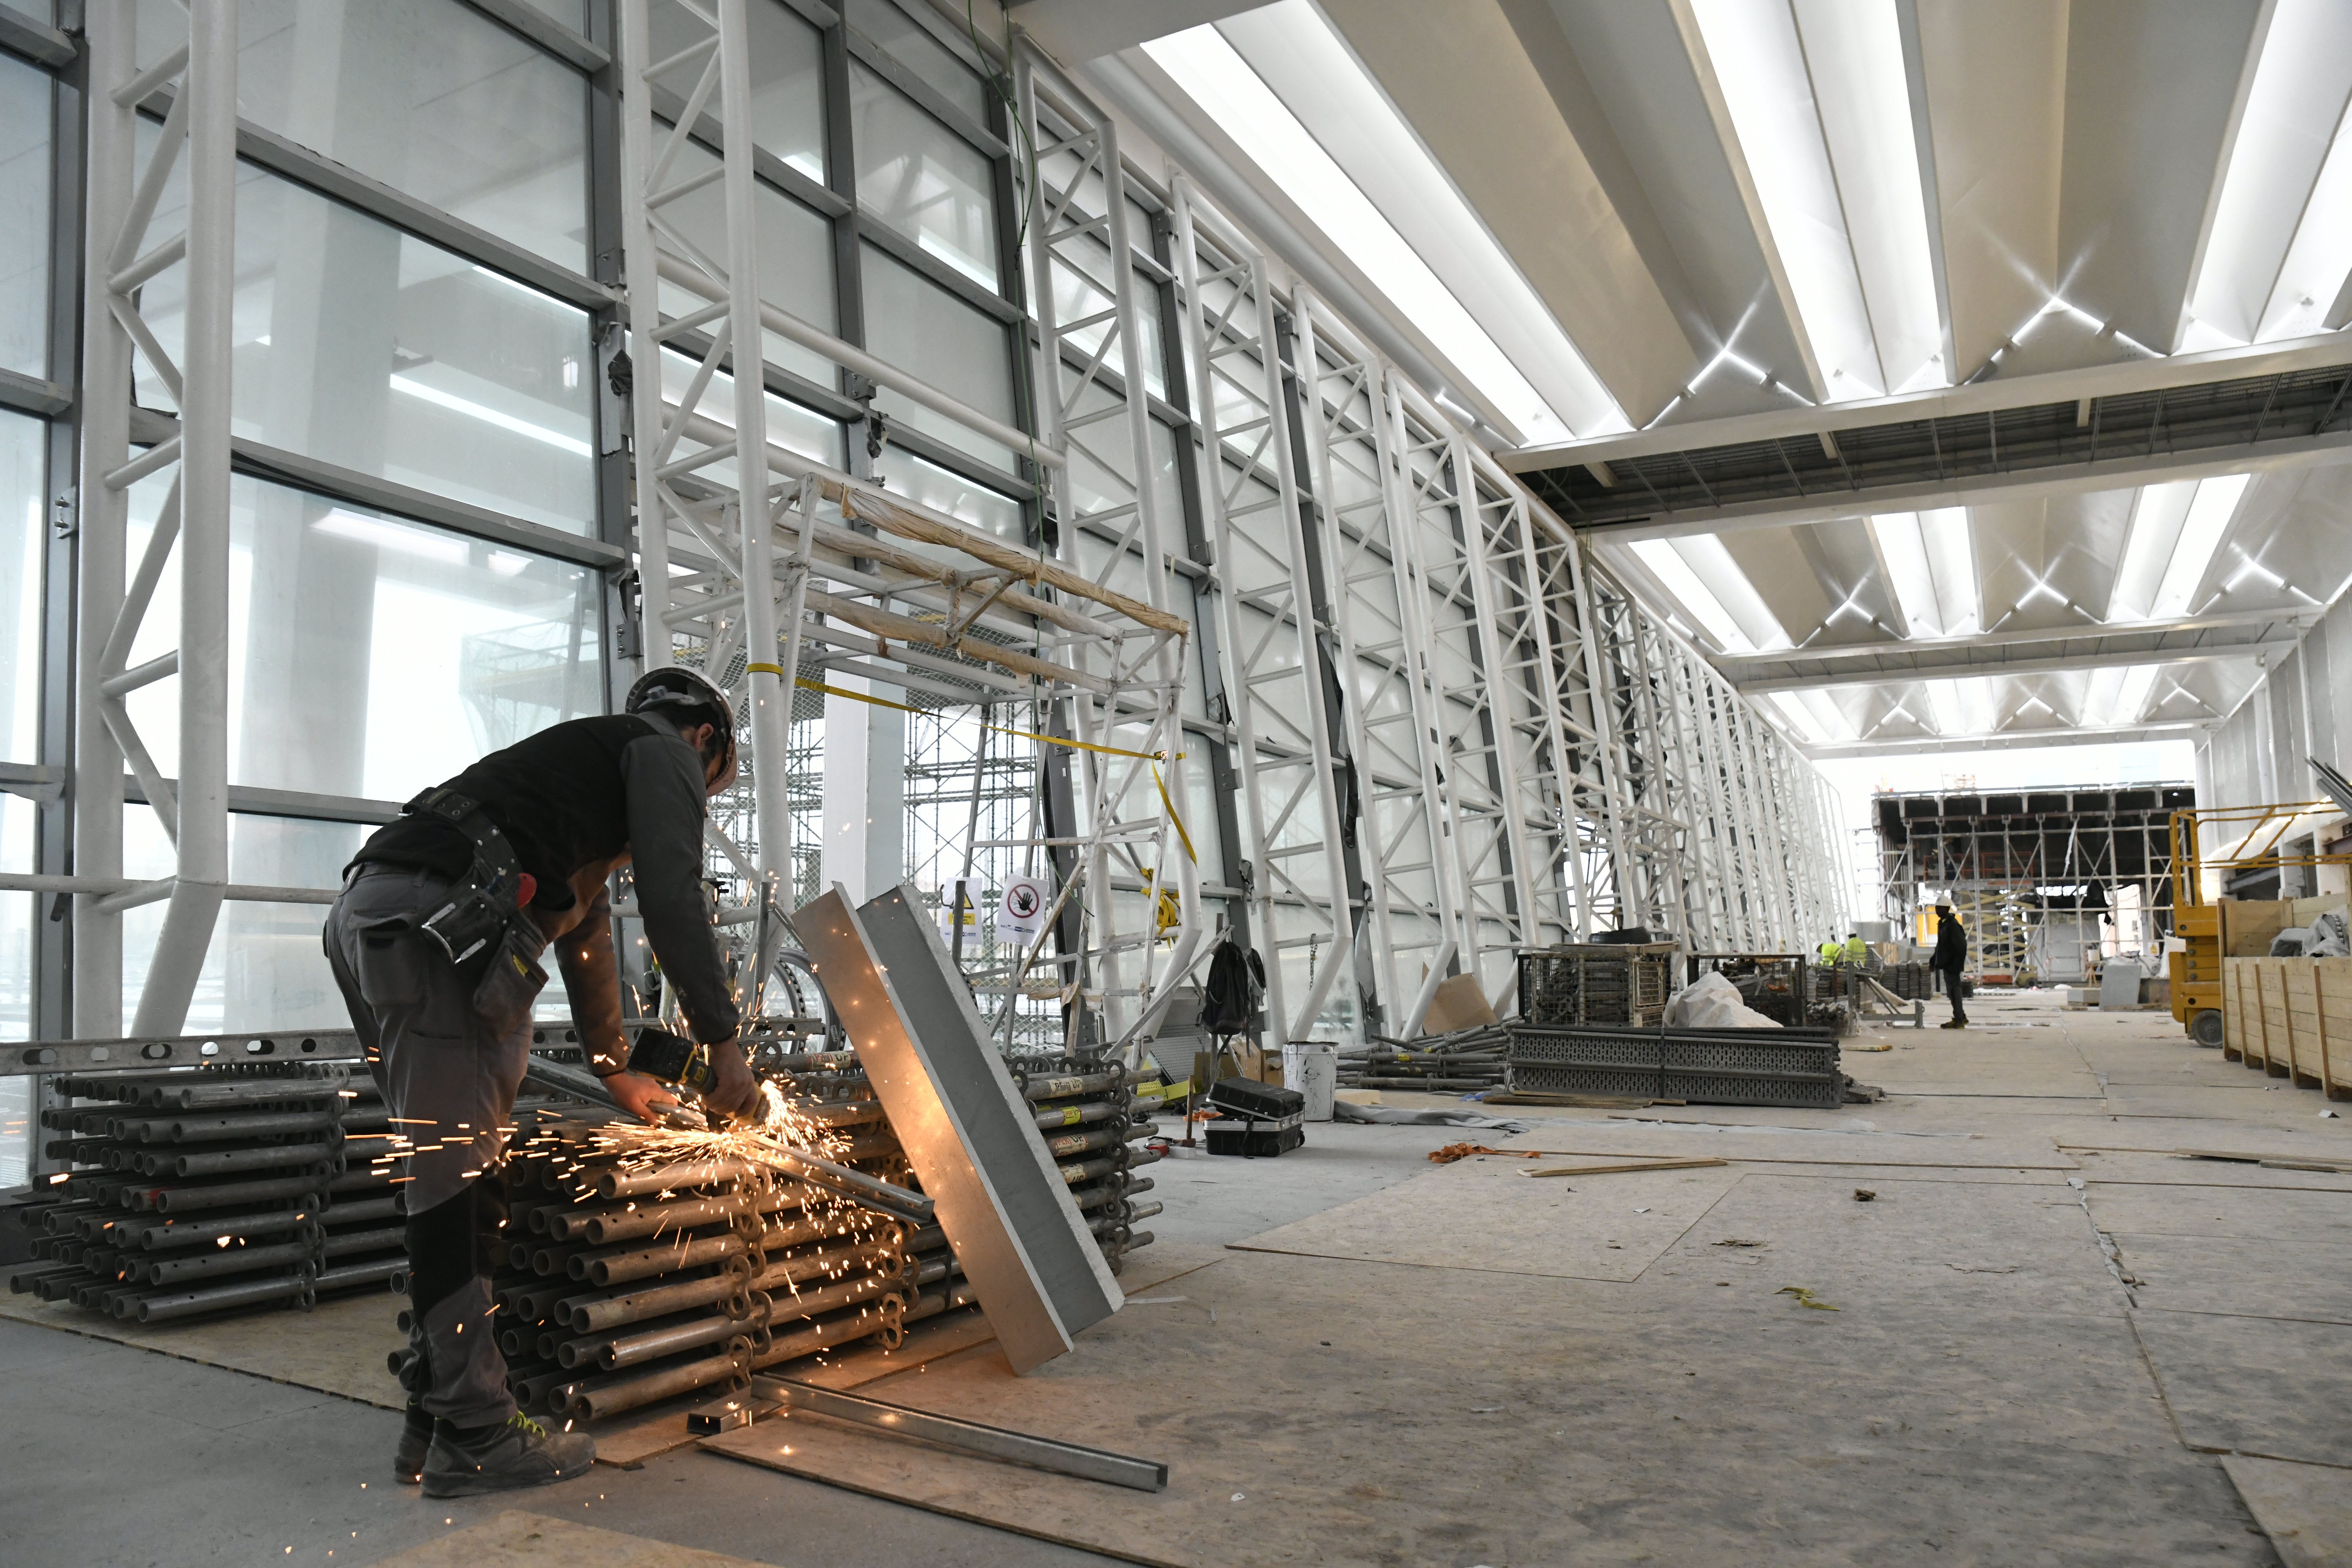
422, 489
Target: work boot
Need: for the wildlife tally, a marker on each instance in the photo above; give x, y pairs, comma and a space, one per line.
516, 1453
416, 1438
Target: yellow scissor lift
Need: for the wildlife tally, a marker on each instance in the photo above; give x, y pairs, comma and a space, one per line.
2223, 926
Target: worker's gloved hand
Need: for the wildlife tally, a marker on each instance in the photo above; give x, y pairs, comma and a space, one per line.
640, 1096
736, 1094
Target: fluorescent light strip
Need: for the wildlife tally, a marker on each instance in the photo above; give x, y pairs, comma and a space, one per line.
1950, 539
1674, 574
1800, 716
2208, 518
1905, 552
487, 416
1216, 77
2157, 513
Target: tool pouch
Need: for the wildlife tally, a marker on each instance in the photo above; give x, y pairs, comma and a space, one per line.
514, 978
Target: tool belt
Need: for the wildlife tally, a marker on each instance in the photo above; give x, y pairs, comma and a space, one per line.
485, 919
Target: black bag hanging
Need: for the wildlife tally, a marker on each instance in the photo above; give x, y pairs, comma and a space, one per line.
1229, 999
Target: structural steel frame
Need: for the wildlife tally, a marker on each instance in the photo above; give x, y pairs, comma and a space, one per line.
1452, 733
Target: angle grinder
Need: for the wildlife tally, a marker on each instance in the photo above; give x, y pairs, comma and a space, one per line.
673, 1059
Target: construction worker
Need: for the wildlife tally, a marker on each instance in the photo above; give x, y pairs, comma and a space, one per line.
1830, 952
1858, 951
1950, 957
436, 940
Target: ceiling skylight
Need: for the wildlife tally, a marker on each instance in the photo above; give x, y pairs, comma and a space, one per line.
1931, 565
1824, 120
1216, 77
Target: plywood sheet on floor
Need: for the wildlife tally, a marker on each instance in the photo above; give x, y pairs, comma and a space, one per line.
2306, 1510
1486, 1213
1339, 1412
519, 1539
2224, 1212
2255, 1386
338, 1347
1969, 1249
2239, 1277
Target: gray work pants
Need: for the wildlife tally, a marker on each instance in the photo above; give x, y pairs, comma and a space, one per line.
450, 1082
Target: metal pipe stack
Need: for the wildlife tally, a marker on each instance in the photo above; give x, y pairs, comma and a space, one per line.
1087, 1113
214, 1189
628, 1280
1434, 1064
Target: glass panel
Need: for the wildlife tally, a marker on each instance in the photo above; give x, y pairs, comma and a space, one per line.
428, 96
368, 655
795, 258
24, 217
787, 77
920, 327
46, 12
927, 484
789, 425
904, 40
360, 345
21, 536
922, 180
264, 969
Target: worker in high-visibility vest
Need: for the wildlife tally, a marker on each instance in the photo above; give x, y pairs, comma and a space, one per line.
1858, 951
1830, 952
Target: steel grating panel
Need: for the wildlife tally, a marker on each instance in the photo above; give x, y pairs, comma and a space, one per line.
1762, 1066
967, 1131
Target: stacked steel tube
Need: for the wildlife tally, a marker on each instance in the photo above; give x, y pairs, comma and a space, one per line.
213, 1190
1088, 1116
1435, 1064
626, 1282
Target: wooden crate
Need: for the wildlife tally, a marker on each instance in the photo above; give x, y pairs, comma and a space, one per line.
2291, 1017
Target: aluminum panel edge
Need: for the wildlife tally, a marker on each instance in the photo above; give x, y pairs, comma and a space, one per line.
966, 1130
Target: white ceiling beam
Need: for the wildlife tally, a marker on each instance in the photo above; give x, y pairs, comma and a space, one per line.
1986, 490
2318, 353
1740, 668
2010, 739
1962, 669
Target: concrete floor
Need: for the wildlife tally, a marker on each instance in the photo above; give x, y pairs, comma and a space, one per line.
1978, 1303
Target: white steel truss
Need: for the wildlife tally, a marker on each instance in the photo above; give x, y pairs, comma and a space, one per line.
1291, 803
1093, 410
199, 134
1377, 627
1425, 676
771, 587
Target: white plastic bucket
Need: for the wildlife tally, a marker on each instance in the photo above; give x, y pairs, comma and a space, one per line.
1312, 1067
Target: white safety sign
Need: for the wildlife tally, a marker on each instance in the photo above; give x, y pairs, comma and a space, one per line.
1021, 915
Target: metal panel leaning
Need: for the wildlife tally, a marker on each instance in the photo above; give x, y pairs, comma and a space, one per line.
965, 1127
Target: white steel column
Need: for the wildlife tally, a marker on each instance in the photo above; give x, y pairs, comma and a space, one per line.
641, 274
769, 698
103, 511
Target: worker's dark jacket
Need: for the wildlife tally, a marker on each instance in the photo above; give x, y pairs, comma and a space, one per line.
1951, 947
578, 800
